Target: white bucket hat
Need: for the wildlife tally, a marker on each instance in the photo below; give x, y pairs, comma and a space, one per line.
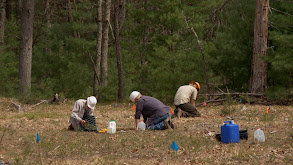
91, 102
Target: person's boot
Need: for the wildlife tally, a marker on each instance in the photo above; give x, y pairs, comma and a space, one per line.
172, 125
175, 113
70, 128
166, 124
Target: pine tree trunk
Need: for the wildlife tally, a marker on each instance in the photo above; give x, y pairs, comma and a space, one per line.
104, 57
18, 6
98, 49
26, 42
70, 17
8, 10
121, 13
144, 37
118, 50
2, 24
69, 11
258, 77
47, 48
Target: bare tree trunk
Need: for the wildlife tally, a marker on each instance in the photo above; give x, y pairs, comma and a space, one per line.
70, 17
26, 42
18, 9
144, 37
104, 57
98, 49
69, 11
8, 10
118, 50
48, 14
258, 77
2, 24
121, 13
47, 49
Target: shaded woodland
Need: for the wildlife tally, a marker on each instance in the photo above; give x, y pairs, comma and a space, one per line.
78, 48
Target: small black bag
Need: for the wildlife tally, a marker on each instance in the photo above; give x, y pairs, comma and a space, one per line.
243, 134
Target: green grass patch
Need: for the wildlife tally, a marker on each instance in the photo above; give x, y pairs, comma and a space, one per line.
267, 117
229, 106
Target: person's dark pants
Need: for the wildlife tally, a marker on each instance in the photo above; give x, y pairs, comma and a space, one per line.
188, 110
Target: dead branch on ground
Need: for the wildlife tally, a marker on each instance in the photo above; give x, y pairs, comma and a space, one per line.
43, 101
211, 101
18, 106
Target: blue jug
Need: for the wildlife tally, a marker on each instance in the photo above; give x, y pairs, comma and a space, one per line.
229, 132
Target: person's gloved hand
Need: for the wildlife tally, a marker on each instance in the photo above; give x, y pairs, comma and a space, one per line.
83, 122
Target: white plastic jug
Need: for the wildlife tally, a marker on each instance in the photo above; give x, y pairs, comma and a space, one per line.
111, 127
259, 136
141, 125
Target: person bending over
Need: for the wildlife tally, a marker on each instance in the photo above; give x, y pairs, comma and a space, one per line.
154, 112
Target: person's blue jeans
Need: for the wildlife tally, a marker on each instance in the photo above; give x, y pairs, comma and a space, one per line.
158, 123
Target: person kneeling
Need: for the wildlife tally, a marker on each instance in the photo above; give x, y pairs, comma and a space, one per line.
80, 109
154, 112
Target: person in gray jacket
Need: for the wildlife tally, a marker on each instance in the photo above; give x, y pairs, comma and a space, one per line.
81, 107
154, 112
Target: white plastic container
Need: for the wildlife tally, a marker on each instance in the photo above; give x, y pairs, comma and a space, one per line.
141, 126
259, 136
111, 127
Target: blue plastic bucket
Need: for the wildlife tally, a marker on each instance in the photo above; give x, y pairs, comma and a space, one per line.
229, 132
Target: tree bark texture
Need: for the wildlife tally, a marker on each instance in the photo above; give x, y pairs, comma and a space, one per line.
70, 17
105, 40
18, 9
144, 37
121, 13
2, 24
47, 48
258, 77
97, 62
26, 41
48, 14
118, 50
8, 10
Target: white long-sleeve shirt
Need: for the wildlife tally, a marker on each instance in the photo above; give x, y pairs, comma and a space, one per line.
79, 109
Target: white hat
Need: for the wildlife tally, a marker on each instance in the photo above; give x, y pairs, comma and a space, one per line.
91, 102
133, 95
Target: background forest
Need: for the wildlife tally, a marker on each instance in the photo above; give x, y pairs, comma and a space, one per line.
159, 51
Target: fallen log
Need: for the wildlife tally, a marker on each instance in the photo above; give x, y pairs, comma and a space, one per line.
211, 101
43, 101
233, 94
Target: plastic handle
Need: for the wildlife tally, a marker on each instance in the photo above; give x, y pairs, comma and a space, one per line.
230, 122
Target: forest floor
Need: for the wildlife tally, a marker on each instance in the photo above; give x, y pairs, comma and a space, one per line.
194, 136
